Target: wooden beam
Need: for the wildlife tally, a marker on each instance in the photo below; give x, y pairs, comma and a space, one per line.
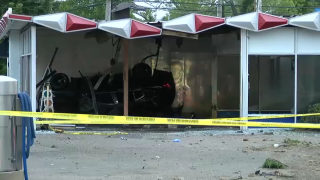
179, 34
126, 77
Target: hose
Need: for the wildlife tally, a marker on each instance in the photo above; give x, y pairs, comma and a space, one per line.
27, 130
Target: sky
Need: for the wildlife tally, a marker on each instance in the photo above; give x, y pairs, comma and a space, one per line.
160, 13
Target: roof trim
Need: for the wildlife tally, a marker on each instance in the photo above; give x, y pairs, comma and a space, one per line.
130, 29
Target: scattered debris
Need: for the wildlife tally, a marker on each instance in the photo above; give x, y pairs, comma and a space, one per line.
158, 157
268, 133
245, 139
53, 146
273, 164
176, 140
237, 178
264, 139
276, 145
280, 151
123, 138
291, 141
178, 178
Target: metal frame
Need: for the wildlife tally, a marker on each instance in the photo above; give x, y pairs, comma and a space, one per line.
244, 73
244, 89
295, 73
33, 92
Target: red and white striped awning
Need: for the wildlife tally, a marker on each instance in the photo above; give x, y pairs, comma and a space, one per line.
67, 22
131, 29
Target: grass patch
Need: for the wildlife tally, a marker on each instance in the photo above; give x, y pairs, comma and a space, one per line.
273, 164
291, 141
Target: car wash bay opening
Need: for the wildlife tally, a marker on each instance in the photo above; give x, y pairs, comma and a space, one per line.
225, 67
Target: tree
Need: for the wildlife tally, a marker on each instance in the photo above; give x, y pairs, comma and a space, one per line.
96, 9
235, 7
29, 7
147, 16
91, 9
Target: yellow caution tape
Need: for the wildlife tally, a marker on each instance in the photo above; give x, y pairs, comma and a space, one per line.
105, 119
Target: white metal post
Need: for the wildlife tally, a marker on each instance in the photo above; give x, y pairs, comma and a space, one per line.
295, 73
14, 56
244, 87
33, 71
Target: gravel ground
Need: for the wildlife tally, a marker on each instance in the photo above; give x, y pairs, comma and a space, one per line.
201, 155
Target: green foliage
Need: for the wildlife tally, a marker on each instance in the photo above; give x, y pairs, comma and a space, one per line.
273, 164
85, 8
315, 108
148, 16
29, 7
3, 66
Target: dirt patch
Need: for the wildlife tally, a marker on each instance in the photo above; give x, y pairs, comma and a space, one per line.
155, 156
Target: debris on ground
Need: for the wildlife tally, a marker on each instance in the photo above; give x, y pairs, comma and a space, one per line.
53, 146
282, 151
176, 140
268, 133
265, 174
178, 178
291, 141
245, 139
273, 164
123, 138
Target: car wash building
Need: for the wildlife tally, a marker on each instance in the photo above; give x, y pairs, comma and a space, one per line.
195, 66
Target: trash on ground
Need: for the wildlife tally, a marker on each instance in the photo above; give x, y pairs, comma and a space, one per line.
176, 140
123, 138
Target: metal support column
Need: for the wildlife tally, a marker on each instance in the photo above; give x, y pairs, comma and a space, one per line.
244, 73
295, 74
33, 93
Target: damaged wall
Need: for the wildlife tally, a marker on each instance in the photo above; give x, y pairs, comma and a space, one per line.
75, 53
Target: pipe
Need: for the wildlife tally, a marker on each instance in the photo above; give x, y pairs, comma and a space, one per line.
27, 130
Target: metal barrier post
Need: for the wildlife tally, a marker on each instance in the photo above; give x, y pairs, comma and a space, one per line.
10, 132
